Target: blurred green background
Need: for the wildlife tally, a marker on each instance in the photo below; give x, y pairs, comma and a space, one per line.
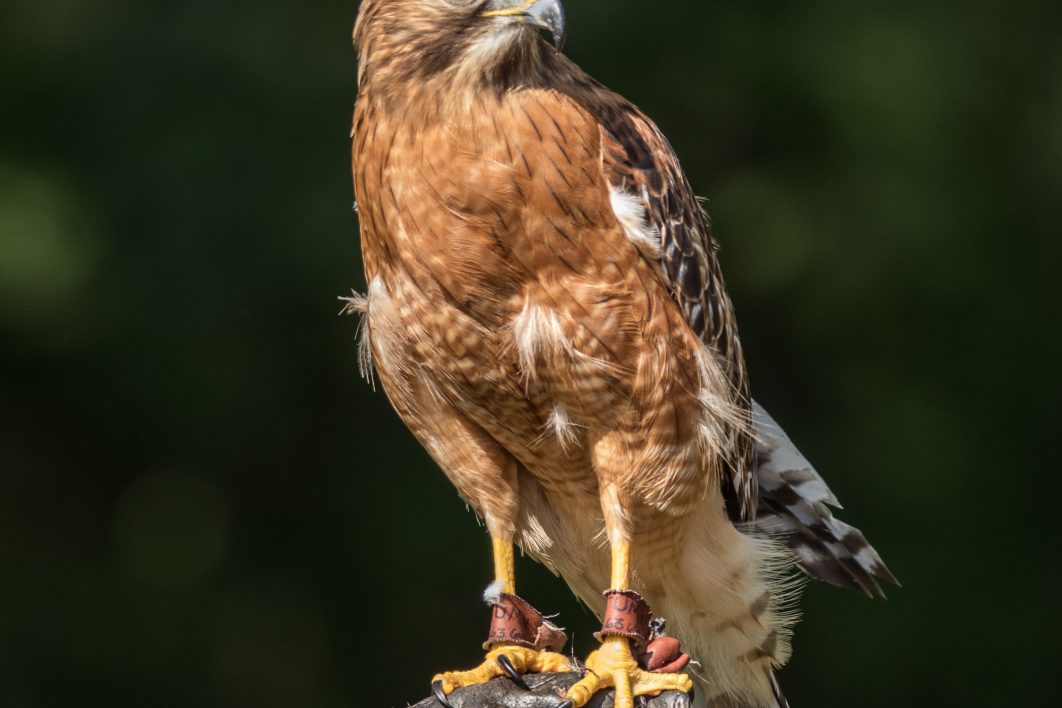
202, 505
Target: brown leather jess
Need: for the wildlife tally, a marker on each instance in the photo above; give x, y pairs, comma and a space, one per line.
626, 615
664, 655
514, 621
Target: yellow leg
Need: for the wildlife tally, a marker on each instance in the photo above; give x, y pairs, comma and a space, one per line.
504, 564
613, 665
621, 566
523, 659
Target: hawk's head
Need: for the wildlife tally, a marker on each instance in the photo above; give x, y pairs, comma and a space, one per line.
404, 42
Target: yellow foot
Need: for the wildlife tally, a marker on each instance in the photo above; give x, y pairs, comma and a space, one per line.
613, 666
510, 660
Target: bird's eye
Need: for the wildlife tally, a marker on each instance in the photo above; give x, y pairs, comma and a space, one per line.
471, 7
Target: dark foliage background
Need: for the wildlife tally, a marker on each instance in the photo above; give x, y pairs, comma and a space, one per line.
202, 505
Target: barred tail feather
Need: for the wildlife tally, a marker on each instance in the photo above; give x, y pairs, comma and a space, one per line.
795, 504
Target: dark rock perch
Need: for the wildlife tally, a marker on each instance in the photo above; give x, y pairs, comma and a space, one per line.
546, 690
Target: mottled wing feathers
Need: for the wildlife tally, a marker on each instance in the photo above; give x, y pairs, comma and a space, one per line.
641, 164
795, 504
768, 480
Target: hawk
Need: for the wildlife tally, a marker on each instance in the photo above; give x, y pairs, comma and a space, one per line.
547, 315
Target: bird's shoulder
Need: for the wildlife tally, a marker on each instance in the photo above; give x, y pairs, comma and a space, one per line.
655, 203
647, 182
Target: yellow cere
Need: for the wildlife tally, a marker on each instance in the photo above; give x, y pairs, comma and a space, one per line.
510, 11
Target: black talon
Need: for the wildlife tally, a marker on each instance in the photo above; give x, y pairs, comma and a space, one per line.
567, 704
440, 696
507, 666
692, 693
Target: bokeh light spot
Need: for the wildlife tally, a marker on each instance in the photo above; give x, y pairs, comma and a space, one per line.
46, 246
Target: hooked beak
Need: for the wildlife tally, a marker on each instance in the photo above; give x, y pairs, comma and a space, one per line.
543, 14
549, 14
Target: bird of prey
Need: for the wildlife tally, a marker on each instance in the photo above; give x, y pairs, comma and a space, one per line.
547, 315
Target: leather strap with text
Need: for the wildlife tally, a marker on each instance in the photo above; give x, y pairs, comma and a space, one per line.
514, 621
626, 615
